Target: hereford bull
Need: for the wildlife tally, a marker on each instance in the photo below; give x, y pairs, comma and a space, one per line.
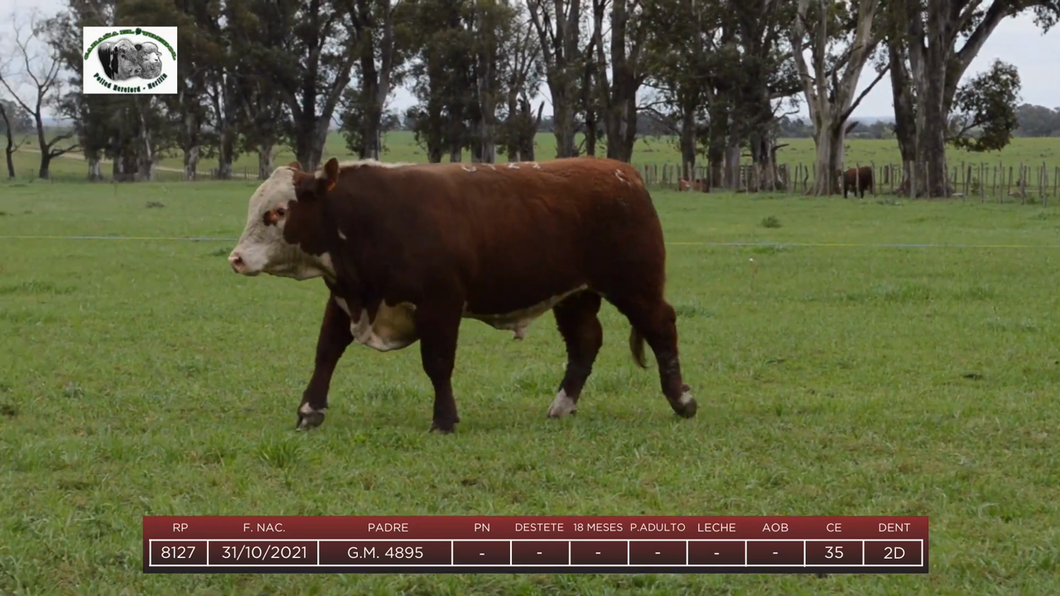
858, 179
407, 251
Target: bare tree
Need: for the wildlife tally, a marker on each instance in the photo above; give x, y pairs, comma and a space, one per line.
9, 129
36, 67
830, 95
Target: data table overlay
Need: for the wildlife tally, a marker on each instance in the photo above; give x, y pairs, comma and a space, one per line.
577, 544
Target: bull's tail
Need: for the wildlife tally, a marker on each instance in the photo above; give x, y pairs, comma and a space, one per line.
636, 347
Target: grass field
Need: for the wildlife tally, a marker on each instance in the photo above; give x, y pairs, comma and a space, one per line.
659, 151
142, 377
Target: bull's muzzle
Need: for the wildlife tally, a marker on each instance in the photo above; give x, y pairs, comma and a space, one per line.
237, 263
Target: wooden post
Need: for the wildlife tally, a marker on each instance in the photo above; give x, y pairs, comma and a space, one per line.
982, 182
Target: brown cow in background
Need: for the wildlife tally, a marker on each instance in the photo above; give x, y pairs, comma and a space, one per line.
858, 179
698, 185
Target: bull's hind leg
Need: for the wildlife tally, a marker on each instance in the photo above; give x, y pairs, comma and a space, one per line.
581, 331
655, 320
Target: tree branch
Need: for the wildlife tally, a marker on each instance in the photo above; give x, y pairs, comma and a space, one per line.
857, 101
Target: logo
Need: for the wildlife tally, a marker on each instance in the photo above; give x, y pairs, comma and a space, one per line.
121, 60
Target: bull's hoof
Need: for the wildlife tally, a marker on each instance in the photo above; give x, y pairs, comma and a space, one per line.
685, 406
562, 406
308, 418
444, 428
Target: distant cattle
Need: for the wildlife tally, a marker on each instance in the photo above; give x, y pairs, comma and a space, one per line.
858, 179
698, 185
408, 251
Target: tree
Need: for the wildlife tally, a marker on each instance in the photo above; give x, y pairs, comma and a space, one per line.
444, 74
558, 26
618, 95
14, 120
521, 73
88, 113
682, 69
383, 43
762, 75
831, 95
262, 114
37, 66
308, 59
987, 102
1037, 121
926, 34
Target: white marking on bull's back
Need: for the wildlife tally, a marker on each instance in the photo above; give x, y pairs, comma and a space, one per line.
468, 169
520, 320
536, 167
341, 235
512, 166
562, 406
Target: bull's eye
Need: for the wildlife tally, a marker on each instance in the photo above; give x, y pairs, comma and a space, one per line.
280, 211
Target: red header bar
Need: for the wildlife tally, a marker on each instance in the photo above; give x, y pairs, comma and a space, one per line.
534, 527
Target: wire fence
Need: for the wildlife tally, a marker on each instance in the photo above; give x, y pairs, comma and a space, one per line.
1023, 182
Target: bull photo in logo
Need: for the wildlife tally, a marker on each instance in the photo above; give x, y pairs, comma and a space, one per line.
126, 60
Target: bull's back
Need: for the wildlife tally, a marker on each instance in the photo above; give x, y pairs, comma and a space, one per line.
525, 232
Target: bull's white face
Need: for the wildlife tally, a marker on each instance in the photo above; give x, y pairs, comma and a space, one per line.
262, 248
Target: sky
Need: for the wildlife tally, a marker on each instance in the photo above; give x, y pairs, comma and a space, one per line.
1017, 41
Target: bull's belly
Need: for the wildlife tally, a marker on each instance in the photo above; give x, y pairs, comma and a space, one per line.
394, 327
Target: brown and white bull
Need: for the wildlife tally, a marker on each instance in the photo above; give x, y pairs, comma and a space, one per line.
408, 251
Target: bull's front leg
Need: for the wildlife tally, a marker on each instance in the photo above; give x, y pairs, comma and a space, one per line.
334, 337
438, 326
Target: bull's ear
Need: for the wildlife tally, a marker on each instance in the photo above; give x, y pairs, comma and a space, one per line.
331, 173
294, 165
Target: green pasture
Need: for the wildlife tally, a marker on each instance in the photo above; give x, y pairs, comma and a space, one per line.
834, 376
650, 151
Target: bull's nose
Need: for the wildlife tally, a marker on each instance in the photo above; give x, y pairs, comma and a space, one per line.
236, 262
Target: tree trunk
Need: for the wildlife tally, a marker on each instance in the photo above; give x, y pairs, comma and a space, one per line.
45, 155
372, 110
717, 131
687, 140
191, 162
732, 163
829, 140
225, 155
264, 161
145, 156
45, 165
931, 135
10, 163
763, 154
311, 135
95, 169
590, 132
904, 110
563, 125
